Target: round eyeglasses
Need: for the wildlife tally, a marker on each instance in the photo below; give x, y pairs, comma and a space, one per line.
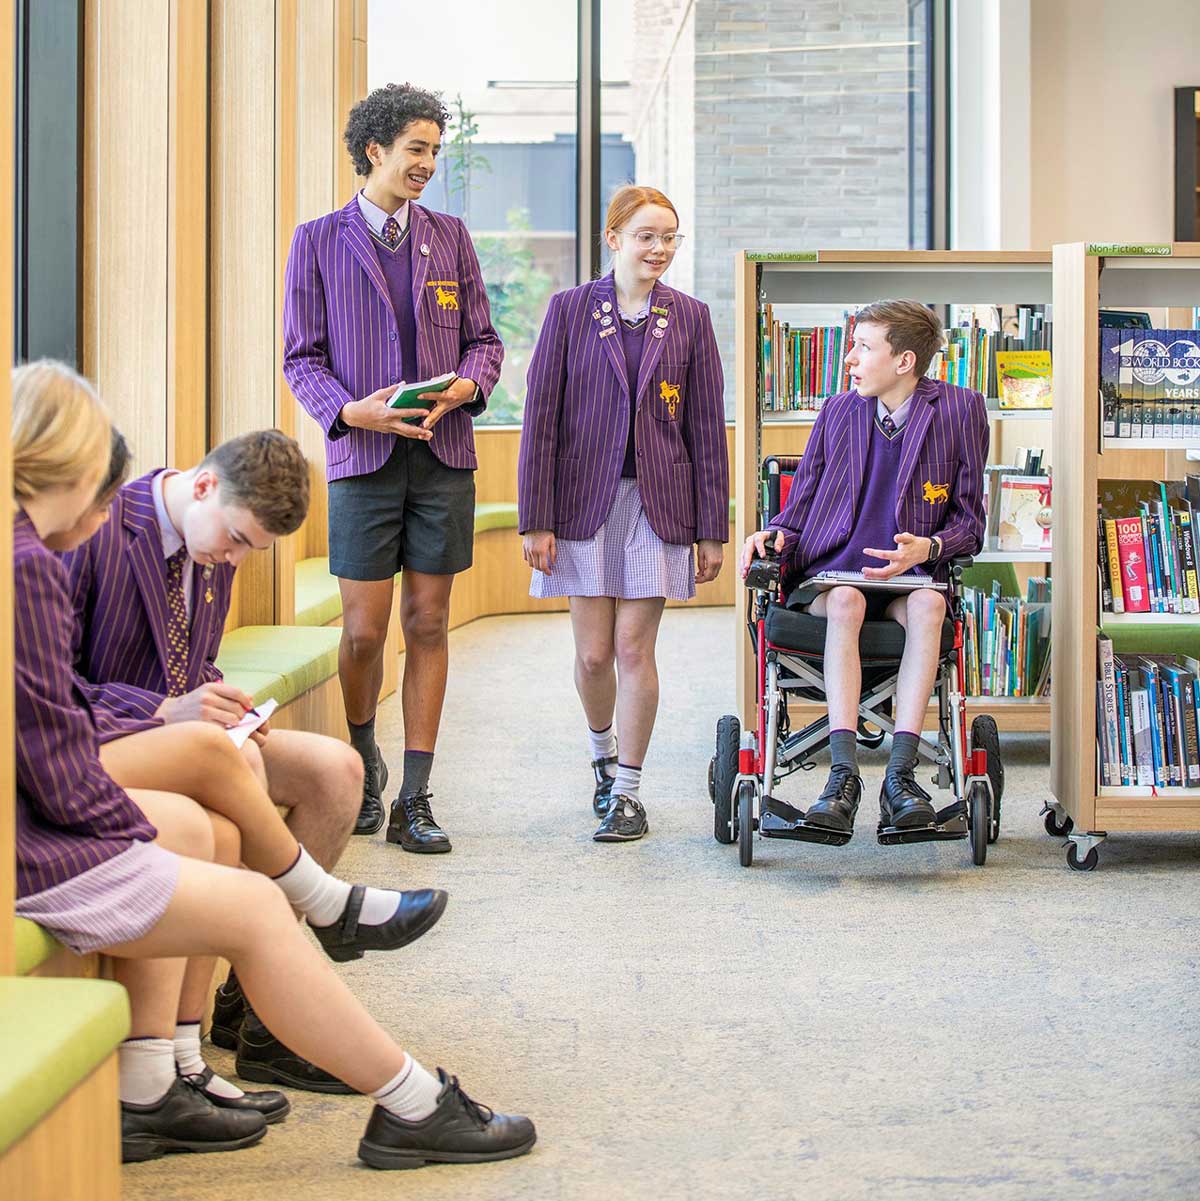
647, 239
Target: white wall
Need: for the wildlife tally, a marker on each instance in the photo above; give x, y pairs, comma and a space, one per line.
1102, 80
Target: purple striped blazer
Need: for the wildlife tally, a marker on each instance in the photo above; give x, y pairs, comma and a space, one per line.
71, 816
118, 588
341, 341
940, 489
577, 419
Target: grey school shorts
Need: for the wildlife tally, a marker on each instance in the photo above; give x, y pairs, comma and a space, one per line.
412, 512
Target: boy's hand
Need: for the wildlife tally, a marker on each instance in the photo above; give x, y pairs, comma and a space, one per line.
216, 702
710, 554
911, 550
372, 413
461, 391
756, 547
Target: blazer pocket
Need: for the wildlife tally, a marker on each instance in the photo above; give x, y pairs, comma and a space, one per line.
932, 487
667, 392
443, 297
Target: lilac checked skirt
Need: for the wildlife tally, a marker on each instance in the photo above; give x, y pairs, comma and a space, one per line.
624, 559
117, 902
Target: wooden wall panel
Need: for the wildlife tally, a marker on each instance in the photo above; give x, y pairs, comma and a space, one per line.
7, 782
126, 70
242, 221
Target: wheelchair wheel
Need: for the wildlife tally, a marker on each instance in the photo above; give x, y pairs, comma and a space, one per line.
977, 802
985, 737
724, 772
746, 823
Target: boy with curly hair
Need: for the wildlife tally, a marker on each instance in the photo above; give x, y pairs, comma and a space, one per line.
380, 292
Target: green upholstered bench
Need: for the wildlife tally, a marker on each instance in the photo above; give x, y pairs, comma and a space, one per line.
282, 662
33, 945
53, 1035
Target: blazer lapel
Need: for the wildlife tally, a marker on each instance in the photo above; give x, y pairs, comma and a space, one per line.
145, 551
860, 439
357, 235
915, 430
660, 298
604, 291
201, 622
420, 233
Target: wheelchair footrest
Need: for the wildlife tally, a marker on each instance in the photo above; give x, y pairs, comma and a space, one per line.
950, 826
780, 820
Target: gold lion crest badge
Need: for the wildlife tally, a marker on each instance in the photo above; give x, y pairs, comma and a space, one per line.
932, 493
669, 394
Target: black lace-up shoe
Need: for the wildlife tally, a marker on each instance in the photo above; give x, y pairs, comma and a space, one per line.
229, 1007
413, 827
372, 814
458, 1131
273, 1106
416, 912
903, 803
262, 1058
835, 808
185, 1120
604, 785
625, 821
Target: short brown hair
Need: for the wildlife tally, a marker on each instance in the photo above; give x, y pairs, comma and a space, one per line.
626, 201
265, 473
908, 325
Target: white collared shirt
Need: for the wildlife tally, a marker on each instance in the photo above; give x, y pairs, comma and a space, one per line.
899, 417
168, 535
375, 217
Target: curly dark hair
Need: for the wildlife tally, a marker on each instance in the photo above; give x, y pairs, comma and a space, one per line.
385, 114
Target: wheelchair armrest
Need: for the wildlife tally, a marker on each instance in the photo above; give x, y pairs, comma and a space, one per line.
959, 564
764, 574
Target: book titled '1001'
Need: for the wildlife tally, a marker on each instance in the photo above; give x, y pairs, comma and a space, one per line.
1150, 383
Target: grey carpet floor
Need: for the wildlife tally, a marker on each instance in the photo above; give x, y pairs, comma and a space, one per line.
867, 1022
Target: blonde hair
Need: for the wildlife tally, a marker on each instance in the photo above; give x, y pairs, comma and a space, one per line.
628, 199
61, 431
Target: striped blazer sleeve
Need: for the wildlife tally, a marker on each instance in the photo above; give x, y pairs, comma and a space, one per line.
703, 431
483, 352
804, 487
546, 384
305, 338
966, 518
58, 763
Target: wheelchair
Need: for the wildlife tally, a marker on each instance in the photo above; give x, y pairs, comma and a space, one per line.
789, 648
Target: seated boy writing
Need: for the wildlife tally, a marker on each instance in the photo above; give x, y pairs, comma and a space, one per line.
891, 482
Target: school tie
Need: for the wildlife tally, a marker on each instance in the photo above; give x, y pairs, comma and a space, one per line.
391, 232
177, 624
889, 426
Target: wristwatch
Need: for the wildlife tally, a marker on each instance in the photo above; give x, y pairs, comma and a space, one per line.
935, 549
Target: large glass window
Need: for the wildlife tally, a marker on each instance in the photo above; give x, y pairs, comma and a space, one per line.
774, 126
508, 159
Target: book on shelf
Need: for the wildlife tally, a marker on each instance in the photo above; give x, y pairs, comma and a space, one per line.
1150, 384
1024, 379
1147, 719
1017, 500
1148, 546
1006, 641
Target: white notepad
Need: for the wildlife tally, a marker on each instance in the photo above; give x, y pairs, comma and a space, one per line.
251, 722
824, 580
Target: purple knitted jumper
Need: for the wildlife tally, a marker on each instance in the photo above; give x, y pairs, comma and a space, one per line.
633, 342
397, 272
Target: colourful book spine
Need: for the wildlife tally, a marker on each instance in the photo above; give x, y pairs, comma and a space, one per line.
1131, 573
1114, 564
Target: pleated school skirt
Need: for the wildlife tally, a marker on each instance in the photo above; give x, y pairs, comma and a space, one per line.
624, 559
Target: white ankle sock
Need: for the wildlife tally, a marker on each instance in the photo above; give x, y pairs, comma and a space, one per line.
604, 745
190, 1062
322, 897
628, 782
411, 1094
145, 1069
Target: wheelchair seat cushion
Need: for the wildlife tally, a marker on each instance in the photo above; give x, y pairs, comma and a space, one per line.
793, 630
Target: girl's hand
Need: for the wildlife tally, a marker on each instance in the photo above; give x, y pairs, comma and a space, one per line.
710, 554
540, 550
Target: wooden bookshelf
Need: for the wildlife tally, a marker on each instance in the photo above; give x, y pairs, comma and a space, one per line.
1085, 282
856, 277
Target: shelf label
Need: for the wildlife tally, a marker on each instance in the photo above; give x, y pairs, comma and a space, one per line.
783, 256
1128, 249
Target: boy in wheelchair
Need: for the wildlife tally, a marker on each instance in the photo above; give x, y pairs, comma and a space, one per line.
891, 483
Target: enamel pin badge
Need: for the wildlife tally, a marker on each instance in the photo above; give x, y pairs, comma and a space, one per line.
208, 592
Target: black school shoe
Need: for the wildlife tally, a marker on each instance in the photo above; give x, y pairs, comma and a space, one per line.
625, 821
416, 913
273, 1106
262, 1058
835, 808
185, 1120
602, 797
229, 1007
372, 815
903, 803
413, 827
458, 1131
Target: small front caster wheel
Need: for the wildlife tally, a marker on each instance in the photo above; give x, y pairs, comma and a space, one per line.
1086, 864
746, 823
1054, 829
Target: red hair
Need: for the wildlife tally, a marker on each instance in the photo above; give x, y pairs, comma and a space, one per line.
628, 199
